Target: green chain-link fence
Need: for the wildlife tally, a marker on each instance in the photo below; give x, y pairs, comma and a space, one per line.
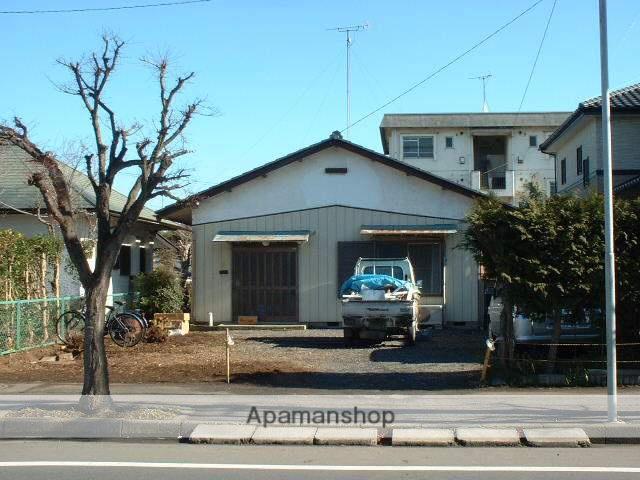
26, 324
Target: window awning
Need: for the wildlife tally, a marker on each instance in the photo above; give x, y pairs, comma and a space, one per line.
263, 236
437, 229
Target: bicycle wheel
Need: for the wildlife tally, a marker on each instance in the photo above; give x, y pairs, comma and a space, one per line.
126, 330
70, 328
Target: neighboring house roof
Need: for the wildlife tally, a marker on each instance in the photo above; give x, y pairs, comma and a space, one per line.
469, 120
16, 167
624, 100
335, 140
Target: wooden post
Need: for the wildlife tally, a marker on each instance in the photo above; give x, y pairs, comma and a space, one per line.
487, 357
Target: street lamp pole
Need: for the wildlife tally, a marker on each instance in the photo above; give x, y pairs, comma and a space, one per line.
609, 257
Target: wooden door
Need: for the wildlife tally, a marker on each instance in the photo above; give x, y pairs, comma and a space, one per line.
265, 283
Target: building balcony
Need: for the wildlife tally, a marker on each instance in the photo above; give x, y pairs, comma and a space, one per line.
502, 183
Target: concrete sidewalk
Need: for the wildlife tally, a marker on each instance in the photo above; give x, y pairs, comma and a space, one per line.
416, 418
470, 409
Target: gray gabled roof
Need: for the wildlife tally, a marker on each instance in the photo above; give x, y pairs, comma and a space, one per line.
625, 99
469, 120
15, 169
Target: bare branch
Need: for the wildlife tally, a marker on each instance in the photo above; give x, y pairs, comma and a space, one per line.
88, 159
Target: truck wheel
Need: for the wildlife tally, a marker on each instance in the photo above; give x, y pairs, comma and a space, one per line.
410, 336
350, 335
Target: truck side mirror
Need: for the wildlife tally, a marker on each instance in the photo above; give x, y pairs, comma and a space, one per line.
419, 283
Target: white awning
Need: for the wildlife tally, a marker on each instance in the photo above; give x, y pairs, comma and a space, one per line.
437, 229
263, 236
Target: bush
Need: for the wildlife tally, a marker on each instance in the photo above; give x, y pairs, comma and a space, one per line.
159, 292
155, 335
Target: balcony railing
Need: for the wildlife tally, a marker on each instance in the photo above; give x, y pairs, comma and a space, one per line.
502, 183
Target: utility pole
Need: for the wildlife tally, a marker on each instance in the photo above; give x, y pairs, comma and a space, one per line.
348, 30
609, 258
484, 78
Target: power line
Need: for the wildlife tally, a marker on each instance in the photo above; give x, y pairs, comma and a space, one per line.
447, 65
103, 9
535, 62
275, 124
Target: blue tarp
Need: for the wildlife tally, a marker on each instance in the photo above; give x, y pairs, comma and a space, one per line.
375, 282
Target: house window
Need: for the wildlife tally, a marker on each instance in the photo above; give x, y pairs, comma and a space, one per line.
579, 160
143, 260
563, 171
533, 140
448, 142
124, 260
417, 147
586, 180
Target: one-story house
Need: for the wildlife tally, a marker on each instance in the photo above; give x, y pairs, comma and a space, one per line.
277, 242
20, 205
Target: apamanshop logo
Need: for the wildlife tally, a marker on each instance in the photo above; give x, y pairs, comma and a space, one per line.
321, 417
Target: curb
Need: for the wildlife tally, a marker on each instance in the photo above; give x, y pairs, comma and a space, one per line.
182, 429
94, 428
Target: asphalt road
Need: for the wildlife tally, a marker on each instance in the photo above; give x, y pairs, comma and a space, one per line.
159, 461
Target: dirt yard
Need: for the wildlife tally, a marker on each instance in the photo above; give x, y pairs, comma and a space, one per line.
292, 359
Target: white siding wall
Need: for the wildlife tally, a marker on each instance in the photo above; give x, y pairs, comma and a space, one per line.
304, 184
625, 138
536, 166
584, 133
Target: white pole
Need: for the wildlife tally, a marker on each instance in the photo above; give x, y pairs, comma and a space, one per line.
609, 259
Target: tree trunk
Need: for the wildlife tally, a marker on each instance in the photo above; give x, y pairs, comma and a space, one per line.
95, 389
506, 324
555, 340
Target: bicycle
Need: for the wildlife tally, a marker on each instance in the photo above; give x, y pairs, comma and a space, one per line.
126, 329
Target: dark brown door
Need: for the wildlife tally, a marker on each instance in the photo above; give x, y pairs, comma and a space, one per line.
265, 283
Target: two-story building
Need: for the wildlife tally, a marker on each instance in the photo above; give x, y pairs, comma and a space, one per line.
577, 144
496, 152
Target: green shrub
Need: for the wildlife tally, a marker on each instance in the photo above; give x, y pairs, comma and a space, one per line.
159, 292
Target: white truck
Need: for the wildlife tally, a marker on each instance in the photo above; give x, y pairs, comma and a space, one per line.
375, 314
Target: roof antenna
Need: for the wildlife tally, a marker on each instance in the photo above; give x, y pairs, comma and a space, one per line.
484, 78
348, 30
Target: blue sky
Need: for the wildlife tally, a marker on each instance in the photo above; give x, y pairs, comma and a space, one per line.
277, 76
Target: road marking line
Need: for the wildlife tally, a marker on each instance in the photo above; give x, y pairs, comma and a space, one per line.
363, 468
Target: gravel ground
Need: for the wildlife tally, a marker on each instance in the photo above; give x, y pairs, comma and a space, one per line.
316, 359
119, 413
443, 359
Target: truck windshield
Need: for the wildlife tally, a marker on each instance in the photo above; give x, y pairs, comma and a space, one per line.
392, 271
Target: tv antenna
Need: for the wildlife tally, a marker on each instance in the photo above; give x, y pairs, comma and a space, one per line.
484, 78
349, 30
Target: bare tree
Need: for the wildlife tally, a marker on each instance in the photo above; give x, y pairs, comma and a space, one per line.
111, 154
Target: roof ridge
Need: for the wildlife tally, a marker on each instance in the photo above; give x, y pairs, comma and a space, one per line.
311, 150
612, 93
